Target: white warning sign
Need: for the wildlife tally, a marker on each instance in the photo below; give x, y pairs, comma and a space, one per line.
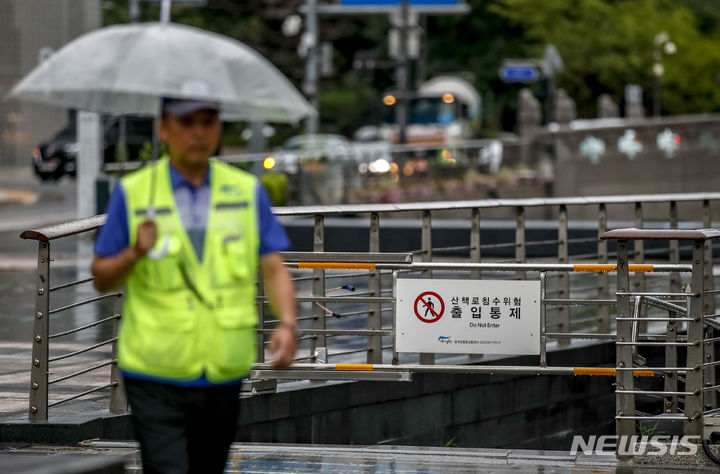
468, 316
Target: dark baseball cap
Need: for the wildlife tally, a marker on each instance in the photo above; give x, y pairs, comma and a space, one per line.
183, 107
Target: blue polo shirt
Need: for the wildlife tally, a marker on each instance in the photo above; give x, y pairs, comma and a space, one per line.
193, 205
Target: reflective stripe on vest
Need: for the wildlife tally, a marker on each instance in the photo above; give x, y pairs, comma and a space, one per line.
182, 317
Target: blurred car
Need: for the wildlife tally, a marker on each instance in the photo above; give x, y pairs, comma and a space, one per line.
56, 157
320, 148
373, 154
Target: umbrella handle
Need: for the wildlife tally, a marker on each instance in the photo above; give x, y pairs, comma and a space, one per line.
157, 254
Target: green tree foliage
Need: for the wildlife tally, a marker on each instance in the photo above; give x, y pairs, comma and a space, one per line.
607, 44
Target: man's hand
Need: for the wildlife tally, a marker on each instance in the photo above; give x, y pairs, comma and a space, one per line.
146, 237
282, 345
111, 272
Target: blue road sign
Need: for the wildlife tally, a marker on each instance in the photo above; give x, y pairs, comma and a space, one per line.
398, 2
519, 72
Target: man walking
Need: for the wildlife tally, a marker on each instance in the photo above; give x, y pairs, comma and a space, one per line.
185, 235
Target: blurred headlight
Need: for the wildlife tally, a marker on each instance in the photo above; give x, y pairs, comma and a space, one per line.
269, 163
379, 166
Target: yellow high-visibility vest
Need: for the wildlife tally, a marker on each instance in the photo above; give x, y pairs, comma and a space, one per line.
181, 317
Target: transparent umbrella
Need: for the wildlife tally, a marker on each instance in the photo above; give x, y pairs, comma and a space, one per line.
127, 69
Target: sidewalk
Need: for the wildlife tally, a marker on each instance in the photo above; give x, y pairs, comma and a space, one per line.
277, 458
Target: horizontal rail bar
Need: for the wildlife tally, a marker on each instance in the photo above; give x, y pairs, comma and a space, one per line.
576, 302
609, 371
304, 278
339, 332
530, 243
84, 302
536, 267
351, 313
657, 369
711, 364
570, 335
82, 394
655, 417
376, 375
713, 387
653, 392
82, 328
583, 240
86, 349
357, 257
492, 203
497, 246
343, 299
458, 369
451, 249
668, 295
66, 229
654, 319
72, 283
657, 343
83, 371
712, 340
337, 265
353, 351
92, 223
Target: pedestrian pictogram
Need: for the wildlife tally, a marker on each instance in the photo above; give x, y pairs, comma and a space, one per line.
429, 307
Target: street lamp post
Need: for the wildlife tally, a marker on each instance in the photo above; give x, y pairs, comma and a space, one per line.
310, 83
661, 44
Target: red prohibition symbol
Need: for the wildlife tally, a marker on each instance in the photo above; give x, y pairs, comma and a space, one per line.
429, 307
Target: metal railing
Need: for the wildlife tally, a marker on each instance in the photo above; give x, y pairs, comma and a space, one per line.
577, 298
699, 371
40, 369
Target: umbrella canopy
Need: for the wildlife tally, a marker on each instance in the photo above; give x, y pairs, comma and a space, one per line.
126, 69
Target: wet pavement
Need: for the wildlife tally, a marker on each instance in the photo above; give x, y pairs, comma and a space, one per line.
252, 458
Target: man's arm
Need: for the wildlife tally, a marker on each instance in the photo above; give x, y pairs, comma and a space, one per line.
111, 272
281, 291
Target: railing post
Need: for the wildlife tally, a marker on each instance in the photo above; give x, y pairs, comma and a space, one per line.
603, 312
260, 302
639, 284
694, 378
427, 256
520, 242
625, 402
41, 332
374, 343
671, 358
563, 315
475, 242
709, 379
475, 250
709, 373
709, 284
118, 398
318, 289
543, 322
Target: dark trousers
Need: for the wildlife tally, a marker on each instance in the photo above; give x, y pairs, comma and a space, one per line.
183, 429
